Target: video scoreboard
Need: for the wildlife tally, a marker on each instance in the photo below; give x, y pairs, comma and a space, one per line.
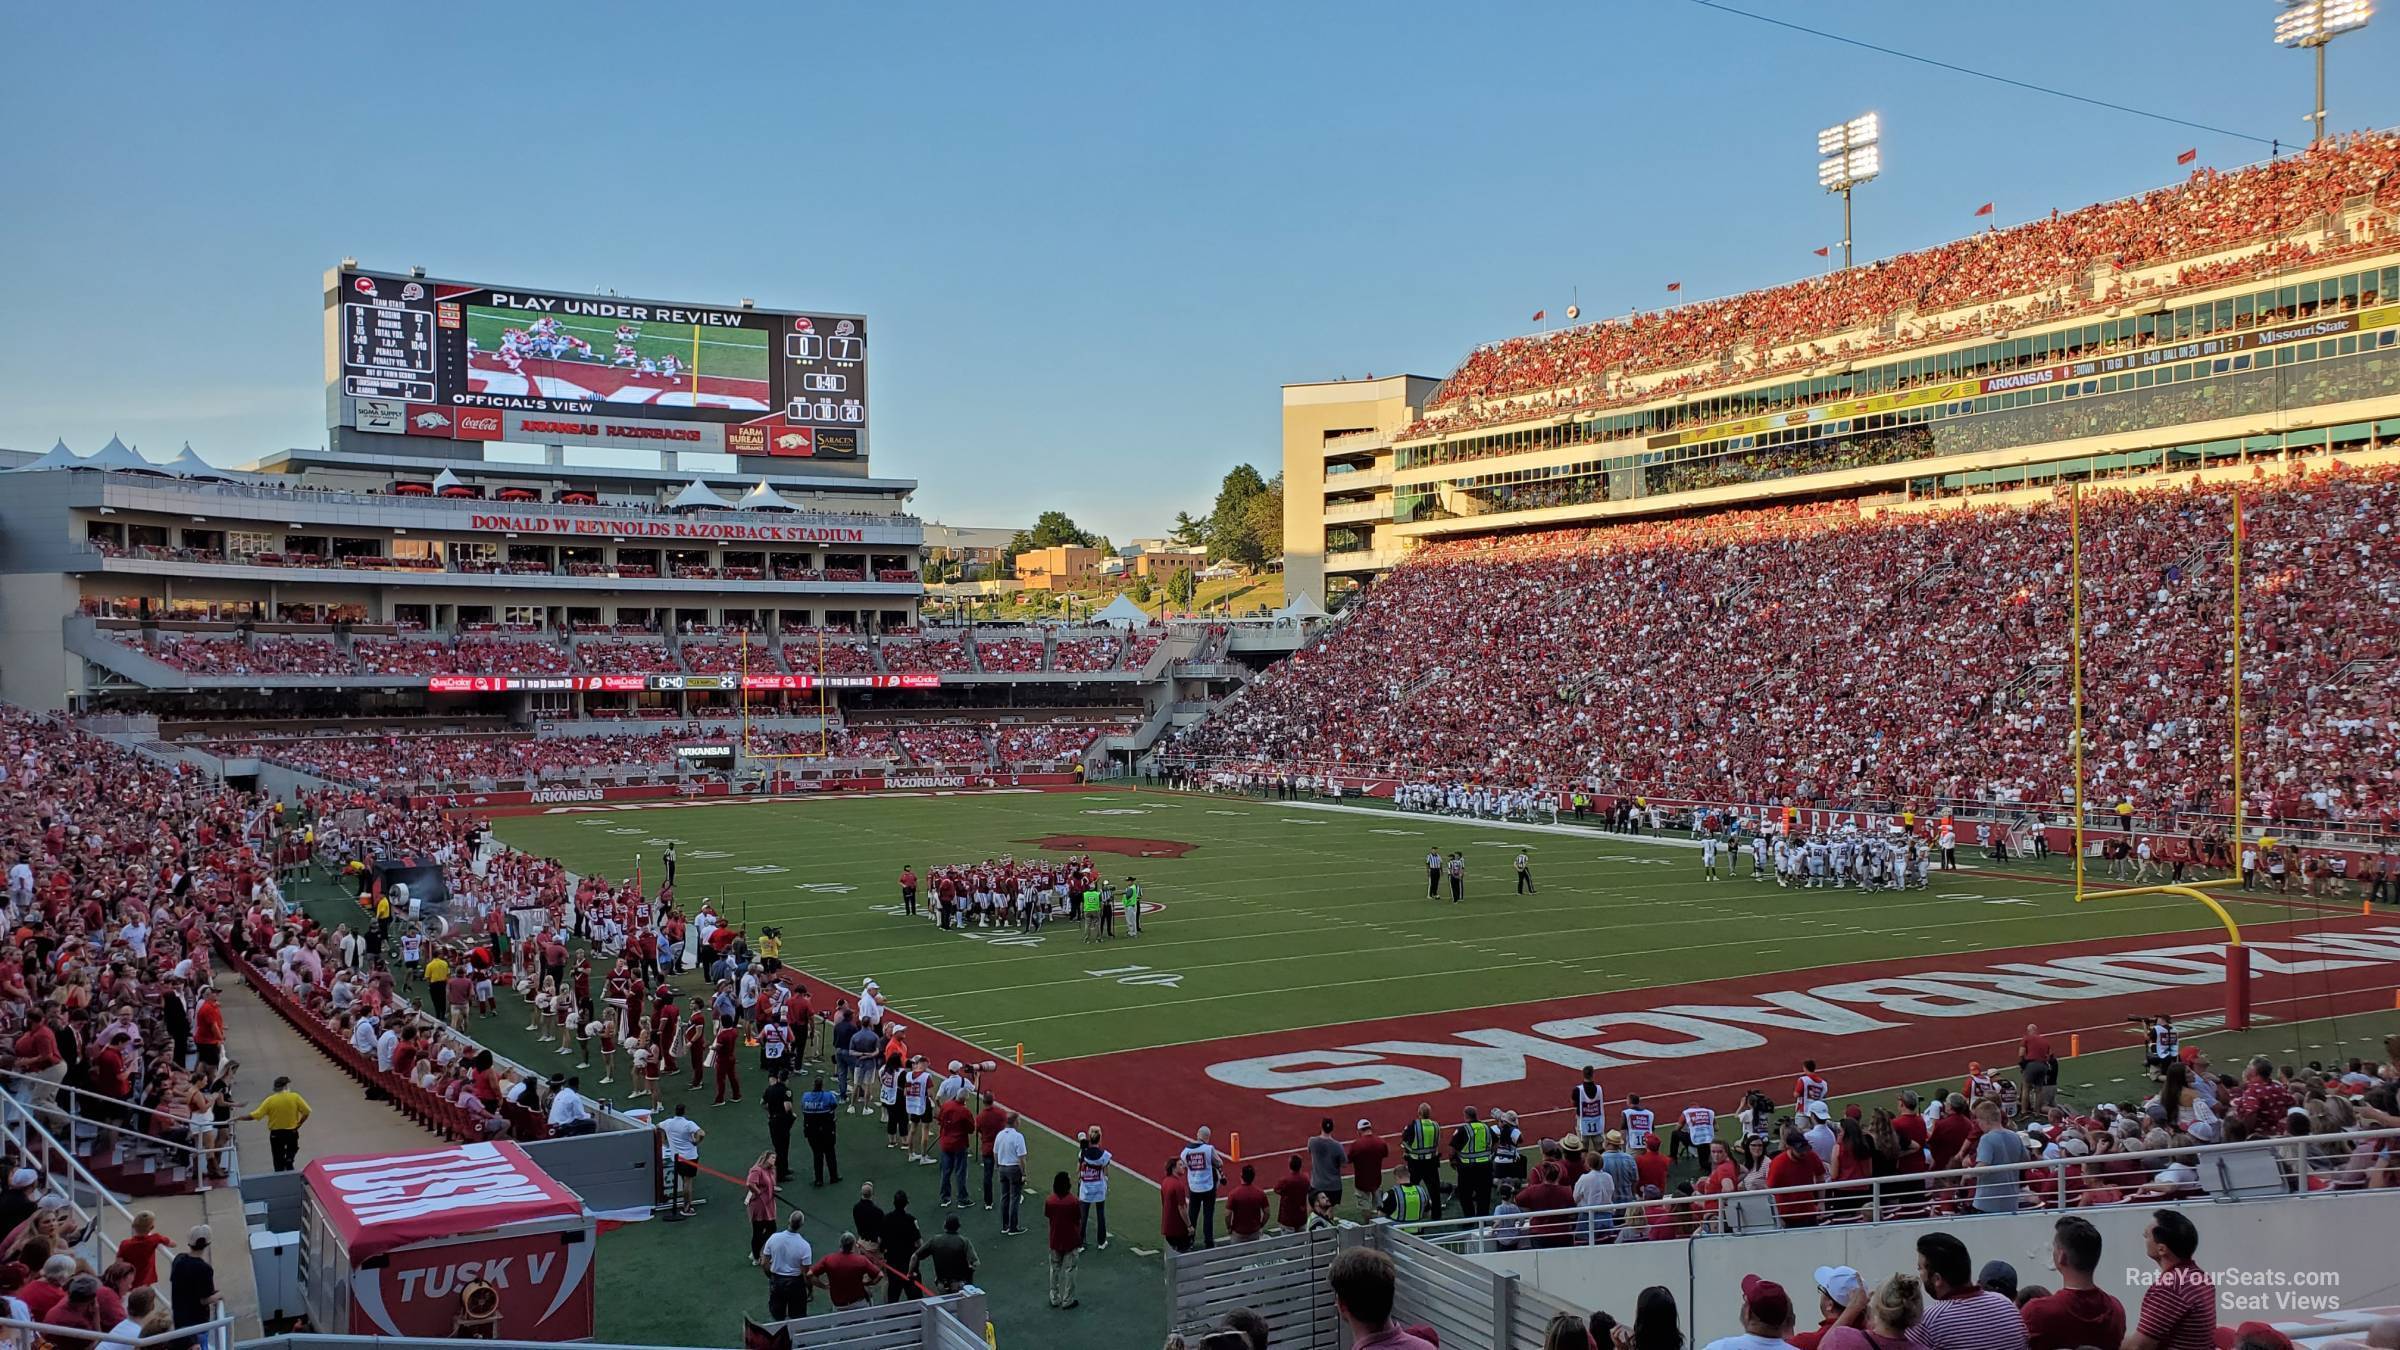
408, 355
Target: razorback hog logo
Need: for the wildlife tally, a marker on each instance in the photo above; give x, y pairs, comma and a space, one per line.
790, 440
432, 420
1382, 1070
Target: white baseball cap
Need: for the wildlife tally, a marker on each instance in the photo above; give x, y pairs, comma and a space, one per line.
1839, 1282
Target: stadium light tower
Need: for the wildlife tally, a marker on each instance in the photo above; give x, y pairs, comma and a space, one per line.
2315, 23
1851, 154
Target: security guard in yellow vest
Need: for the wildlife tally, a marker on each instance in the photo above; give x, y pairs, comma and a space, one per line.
1471, 1148
1408, 1204
1420, 1150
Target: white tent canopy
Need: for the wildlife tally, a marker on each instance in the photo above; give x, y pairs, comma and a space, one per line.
1303, 606
1122, 610
764, 498
117, 455
697, 497
188, 464
446, 479
60, 457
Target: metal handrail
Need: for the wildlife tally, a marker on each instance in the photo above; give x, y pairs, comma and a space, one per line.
39, 1144
1876, 1195
199, 1154
214, 1334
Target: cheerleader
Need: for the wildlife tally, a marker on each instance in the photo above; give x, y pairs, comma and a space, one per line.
541, 1005
645, 1069
562, 1024
609, 1028
486, 999
586, 1031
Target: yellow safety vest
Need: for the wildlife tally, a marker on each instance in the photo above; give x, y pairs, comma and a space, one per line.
1420, 1140
1478, 1148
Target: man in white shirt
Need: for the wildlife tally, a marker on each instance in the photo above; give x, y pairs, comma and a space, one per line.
1766, 1318
20, 884
1008, 1153
786, 1258
870, 1003
362, 1036
386, 1045
683, 1148
1595, 1187
569, 1113
1821, 1135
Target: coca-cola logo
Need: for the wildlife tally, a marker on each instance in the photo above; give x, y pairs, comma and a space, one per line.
544, 796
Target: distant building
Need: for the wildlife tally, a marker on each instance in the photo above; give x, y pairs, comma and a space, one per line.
975, 548
1339, 521
1161, 563
1060, 567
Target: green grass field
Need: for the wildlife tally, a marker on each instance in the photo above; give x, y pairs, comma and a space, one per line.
732, 353
1286, 916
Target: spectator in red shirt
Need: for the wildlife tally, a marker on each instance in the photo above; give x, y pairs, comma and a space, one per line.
1368, 1154
728, 1052
1065, 1216
1546, 1192
2039, 1068
1796, 1165
989, 1122
1291, 1197
1950, 1141
2264, 1101
1651, 1164
2080, 1313
845, 1275
1174, 1204
140, 1249
1246, 1207
38, 1057
208, 1029
956, 1127
2179, 1309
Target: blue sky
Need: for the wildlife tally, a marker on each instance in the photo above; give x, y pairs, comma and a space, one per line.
1093, 240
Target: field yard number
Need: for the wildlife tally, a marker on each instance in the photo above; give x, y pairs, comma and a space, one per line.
1118, 811
761, 870
1161, 979
705, 854
1395, 832
1634, 861
826, 887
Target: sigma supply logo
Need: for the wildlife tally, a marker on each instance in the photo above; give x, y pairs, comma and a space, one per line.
1358, 1073
477, 425
552, 795
382, 415
925, 780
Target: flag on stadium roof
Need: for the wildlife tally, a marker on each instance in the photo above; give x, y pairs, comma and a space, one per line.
1674, 285
1984, 210
1825, 252
2188, 156
1537, 315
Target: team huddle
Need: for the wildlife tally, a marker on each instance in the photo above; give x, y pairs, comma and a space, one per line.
544, 339
1025, 894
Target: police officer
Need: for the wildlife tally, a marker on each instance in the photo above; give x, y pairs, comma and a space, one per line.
1420, 1152
817, 1108
1471, 1151
1408, 1202
777, 1100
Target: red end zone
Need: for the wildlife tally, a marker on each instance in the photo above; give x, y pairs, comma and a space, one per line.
1884, 1026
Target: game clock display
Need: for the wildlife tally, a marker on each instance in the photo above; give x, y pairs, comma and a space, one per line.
594, 369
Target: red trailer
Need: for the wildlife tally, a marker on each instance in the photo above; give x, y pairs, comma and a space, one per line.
473, 1240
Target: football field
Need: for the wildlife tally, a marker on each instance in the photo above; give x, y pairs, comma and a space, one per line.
1292, 966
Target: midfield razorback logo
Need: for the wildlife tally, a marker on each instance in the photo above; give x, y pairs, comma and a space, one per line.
1911, 1006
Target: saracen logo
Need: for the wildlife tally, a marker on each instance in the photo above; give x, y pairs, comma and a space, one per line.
546, 796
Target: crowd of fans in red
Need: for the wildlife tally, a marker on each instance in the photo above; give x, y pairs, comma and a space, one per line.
465, 656
260, 654
2042, 266
1814, 654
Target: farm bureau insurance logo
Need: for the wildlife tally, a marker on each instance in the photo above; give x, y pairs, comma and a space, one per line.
1361, 1072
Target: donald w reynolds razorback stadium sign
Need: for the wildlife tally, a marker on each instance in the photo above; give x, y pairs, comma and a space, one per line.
618, 527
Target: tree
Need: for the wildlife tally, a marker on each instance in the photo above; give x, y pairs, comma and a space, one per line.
1264, 519
1187, 532
1052, 529
1180, 587
1232, 528
1141, 590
